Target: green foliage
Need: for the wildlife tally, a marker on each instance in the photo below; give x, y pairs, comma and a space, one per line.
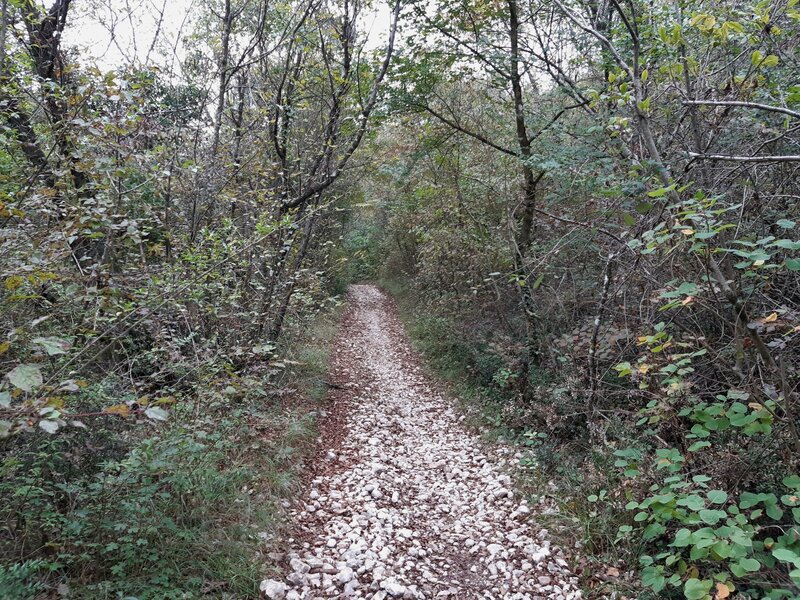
142, 521
19, 581
714, 538
160, 516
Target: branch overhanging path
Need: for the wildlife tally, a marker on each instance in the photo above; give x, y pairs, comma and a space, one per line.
405, 501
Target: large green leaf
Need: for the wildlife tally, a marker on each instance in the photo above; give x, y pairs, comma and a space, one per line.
697, 589
26, 377
52, 345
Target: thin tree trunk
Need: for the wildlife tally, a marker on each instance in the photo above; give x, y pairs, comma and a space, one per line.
524, 234
227, 24
3, 29
277, 324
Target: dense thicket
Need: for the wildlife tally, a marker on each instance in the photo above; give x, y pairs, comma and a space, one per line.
598, 202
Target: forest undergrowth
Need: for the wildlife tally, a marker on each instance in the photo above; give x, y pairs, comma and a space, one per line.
191, 507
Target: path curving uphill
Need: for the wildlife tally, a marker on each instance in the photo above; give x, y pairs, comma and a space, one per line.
406, 502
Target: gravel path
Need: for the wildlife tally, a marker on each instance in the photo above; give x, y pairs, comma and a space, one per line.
406, 502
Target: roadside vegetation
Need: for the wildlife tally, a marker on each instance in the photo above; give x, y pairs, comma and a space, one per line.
187, 508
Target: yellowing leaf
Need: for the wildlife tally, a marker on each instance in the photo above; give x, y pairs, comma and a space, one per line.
118, 409
56, 402
771, 318
4, 347
14, 282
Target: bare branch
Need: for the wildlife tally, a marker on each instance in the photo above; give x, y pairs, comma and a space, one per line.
598, 36
756, 105
453, 125
749, 159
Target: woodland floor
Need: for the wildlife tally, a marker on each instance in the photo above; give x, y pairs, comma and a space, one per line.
405, 501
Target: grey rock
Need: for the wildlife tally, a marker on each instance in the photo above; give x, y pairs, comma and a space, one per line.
273, 590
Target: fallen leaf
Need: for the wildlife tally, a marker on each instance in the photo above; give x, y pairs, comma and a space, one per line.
48, 425
612, 572
156, 413
53, 345
118, 409
25, 377
723, 591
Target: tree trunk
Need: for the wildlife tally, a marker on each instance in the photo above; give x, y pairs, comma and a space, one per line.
524, 234
227, 24
277, 323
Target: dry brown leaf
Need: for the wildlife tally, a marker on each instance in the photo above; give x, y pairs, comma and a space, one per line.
612, 572
723, 591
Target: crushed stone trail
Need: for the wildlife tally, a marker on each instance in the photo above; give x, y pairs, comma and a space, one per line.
405, 501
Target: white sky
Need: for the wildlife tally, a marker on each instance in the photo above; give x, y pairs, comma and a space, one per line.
135, 24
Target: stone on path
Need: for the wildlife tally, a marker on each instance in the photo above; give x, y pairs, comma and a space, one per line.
273, 590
